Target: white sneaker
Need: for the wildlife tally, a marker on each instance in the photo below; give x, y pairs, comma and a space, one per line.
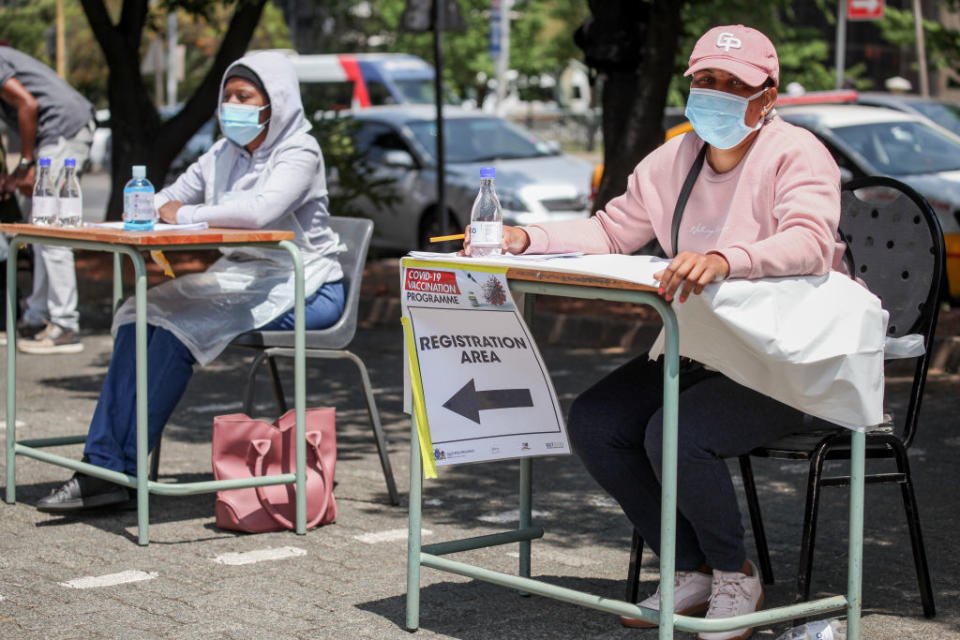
733, 594
691, 594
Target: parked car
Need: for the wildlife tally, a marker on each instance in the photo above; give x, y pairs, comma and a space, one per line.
881, 141
535, 182
944, 113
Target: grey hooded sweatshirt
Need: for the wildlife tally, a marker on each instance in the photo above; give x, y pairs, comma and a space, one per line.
280, 186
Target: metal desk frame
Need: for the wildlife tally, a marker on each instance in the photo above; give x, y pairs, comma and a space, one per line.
419, 555
33, 448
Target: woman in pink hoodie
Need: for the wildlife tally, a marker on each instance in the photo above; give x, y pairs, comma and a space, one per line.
763, 200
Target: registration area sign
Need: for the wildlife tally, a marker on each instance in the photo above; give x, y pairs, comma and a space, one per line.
479, 385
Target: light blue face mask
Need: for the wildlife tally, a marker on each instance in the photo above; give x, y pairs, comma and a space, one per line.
241, 122
717, 117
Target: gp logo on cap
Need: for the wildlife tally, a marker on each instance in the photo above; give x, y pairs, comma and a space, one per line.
727, 41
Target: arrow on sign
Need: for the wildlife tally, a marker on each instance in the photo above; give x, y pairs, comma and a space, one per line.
866, 5
468, 402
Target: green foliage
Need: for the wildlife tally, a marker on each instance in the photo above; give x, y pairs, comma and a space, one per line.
354, 176
942, 43
803, 53
25, 27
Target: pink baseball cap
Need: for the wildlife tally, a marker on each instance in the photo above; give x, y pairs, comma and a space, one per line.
736, 49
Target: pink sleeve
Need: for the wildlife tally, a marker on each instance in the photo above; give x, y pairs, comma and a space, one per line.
807, 211
622, 227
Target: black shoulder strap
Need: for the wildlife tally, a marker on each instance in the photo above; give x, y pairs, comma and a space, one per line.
684, 195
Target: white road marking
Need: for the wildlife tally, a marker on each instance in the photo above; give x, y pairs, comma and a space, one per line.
390, 535
513, 515
20, 424
109, 580
260, 555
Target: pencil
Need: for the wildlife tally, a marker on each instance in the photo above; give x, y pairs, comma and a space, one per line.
455, 236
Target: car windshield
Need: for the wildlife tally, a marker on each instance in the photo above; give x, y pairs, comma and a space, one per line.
901, 148
945, 115
422, 91
478, 140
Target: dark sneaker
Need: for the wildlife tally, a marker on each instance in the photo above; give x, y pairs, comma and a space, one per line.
53, 339
30, 330
83, 492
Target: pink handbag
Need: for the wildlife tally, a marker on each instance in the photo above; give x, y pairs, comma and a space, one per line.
244, 447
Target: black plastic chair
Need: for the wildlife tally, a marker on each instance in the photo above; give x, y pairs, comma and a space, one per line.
332, 342
895, 245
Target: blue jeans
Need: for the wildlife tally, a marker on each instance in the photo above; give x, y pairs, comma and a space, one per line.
616, 428
112, 438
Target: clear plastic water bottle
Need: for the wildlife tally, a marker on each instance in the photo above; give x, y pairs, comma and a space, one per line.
69, 197
139, 214
816, 630
486, 218
43, 208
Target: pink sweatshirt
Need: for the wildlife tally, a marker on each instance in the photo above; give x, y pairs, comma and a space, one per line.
774, 214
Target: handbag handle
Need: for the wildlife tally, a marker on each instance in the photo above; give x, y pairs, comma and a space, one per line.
262, 447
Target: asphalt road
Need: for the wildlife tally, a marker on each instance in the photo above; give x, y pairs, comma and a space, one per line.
347, 580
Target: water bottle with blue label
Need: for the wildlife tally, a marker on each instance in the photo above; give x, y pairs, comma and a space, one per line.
816, 630
486, 218
69, 196
43, 206
139, 213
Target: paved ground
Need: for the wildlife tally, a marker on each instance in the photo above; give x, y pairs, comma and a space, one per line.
347, 580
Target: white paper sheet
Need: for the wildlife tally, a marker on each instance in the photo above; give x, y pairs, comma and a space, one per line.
160, 226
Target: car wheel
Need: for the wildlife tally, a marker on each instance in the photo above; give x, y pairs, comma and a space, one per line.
430, 227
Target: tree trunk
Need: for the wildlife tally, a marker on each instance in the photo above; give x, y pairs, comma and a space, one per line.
138, 136
634, 99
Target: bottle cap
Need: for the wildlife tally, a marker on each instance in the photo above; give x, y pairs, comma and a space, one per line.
44, 162
139, 171
70, 162
488, 172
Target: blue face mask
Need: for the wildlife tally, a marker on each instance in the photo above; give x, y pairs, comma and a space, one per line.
717, 117
241, 122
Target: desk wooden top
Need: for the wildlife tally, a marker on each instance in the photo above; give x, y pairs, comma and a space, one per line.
576, 279
150, 238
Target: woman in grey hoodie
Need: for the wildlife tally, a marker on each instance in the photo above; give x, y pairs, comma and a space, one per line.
266, 173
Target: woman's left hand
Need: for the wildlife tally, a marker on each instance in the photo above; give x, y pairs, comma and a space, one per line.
693, 271
168, 212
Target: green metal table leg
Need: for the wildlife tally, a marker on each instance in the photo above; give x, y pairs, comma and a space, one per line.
668, 481
10, 437
858, 441
526, 470
117, 281
299, 384
415, 513
143, 494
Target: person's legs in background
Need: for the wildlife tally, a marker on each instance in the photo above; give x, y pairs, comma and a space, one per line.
52, 304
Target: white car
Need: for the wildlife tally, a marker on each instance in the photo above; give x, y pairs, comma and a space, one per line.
535, 182
868, 140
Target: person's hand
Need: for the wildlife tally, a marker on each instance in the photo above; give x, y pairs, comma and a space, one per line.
25, 182
8, 184
168, 212
515, 240
693, 271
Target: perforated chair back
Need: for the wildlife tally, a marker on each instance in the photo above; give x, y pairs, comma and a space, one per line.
355, 234
897, 248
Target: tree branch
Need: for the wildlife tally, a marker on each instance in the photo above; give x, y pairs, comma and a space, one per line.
203, 102
103, 29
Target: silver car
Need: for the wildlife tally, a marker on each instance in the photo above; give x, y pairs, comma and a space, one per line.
535, 182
